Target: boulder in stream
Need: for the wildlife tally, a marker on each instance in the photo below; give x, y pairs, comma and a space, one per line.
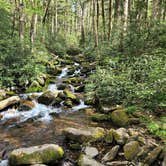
43, 154
48, 97
26, 105
9, 101
83, 135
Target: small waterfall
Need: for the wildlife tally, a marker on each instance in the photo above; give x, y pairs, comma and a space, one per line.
63, 73
80, 106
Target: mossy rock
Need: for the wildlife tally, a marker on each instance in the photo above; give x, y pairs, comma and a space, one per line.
85, 134
68, 103
34, 87
100, 117
120, 118
43, 154
109, 136
71, 96
75, 146
48, 98
131, 149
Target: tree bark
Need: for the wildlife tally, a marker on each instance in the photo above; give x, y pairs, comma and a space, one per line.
10, 101
103, 18
110, 19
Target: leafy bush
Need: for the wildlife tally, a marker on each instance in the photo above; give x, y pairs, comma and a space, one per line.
130, 79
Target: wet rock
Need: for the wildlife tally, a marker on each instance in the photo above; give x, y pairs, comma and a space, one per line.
9, 101
83, 135
26, 105
109, 136
43, 154
152, 156
131, 149
119, 117
91, 151
85, 160
62, 86
111, 154
71, 96
68, 103
120, 136
118, 163
100, 117
48, 97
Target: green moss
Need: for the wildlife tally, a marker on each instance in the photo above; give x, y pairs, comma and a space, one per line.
119, 117
100, 117
109, 137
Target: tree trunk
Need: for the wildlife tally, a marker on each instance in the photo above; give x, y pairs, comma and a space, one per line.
33, 28
110, 19
103, 18
21, 20
10, 101
95, 23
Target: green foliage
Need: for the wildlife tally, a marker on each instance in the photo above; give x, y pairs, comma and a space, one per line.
131, 78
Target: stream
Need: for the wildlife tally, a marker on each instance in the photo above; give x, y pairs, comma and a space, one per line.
42, 124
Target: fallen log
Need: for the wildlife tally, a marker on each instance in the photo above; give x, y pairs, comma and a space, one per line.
9, 101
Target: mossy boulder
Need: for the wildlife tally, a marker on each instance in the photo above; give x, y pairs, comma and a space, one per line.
109, 136
84, 135
131, 149
100, 117
71, 96
48, 97
120, 136
68, 103
34, 87
43, 154
120, 118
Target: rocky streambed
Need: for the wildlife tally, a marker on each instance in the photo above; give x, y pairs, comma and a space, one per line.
56, 127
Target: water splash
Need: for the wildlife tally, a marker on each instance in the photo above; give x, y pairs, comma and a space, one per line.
4, 163
63, 73
82, 105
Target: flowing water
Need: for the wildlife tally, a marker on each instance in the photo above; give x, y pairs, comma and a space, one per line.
42, 124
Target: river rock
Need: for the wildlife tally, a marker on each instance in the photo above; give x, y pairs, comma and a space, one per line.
9, 101
80, 88
131, 149
85, 160
71, 96
91, 151
152, 156
109, 136
43, 154
48, 97
111, 154
26, 105
120, 136
2, 94
109, 109
119, 117
98, 117
83, 135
